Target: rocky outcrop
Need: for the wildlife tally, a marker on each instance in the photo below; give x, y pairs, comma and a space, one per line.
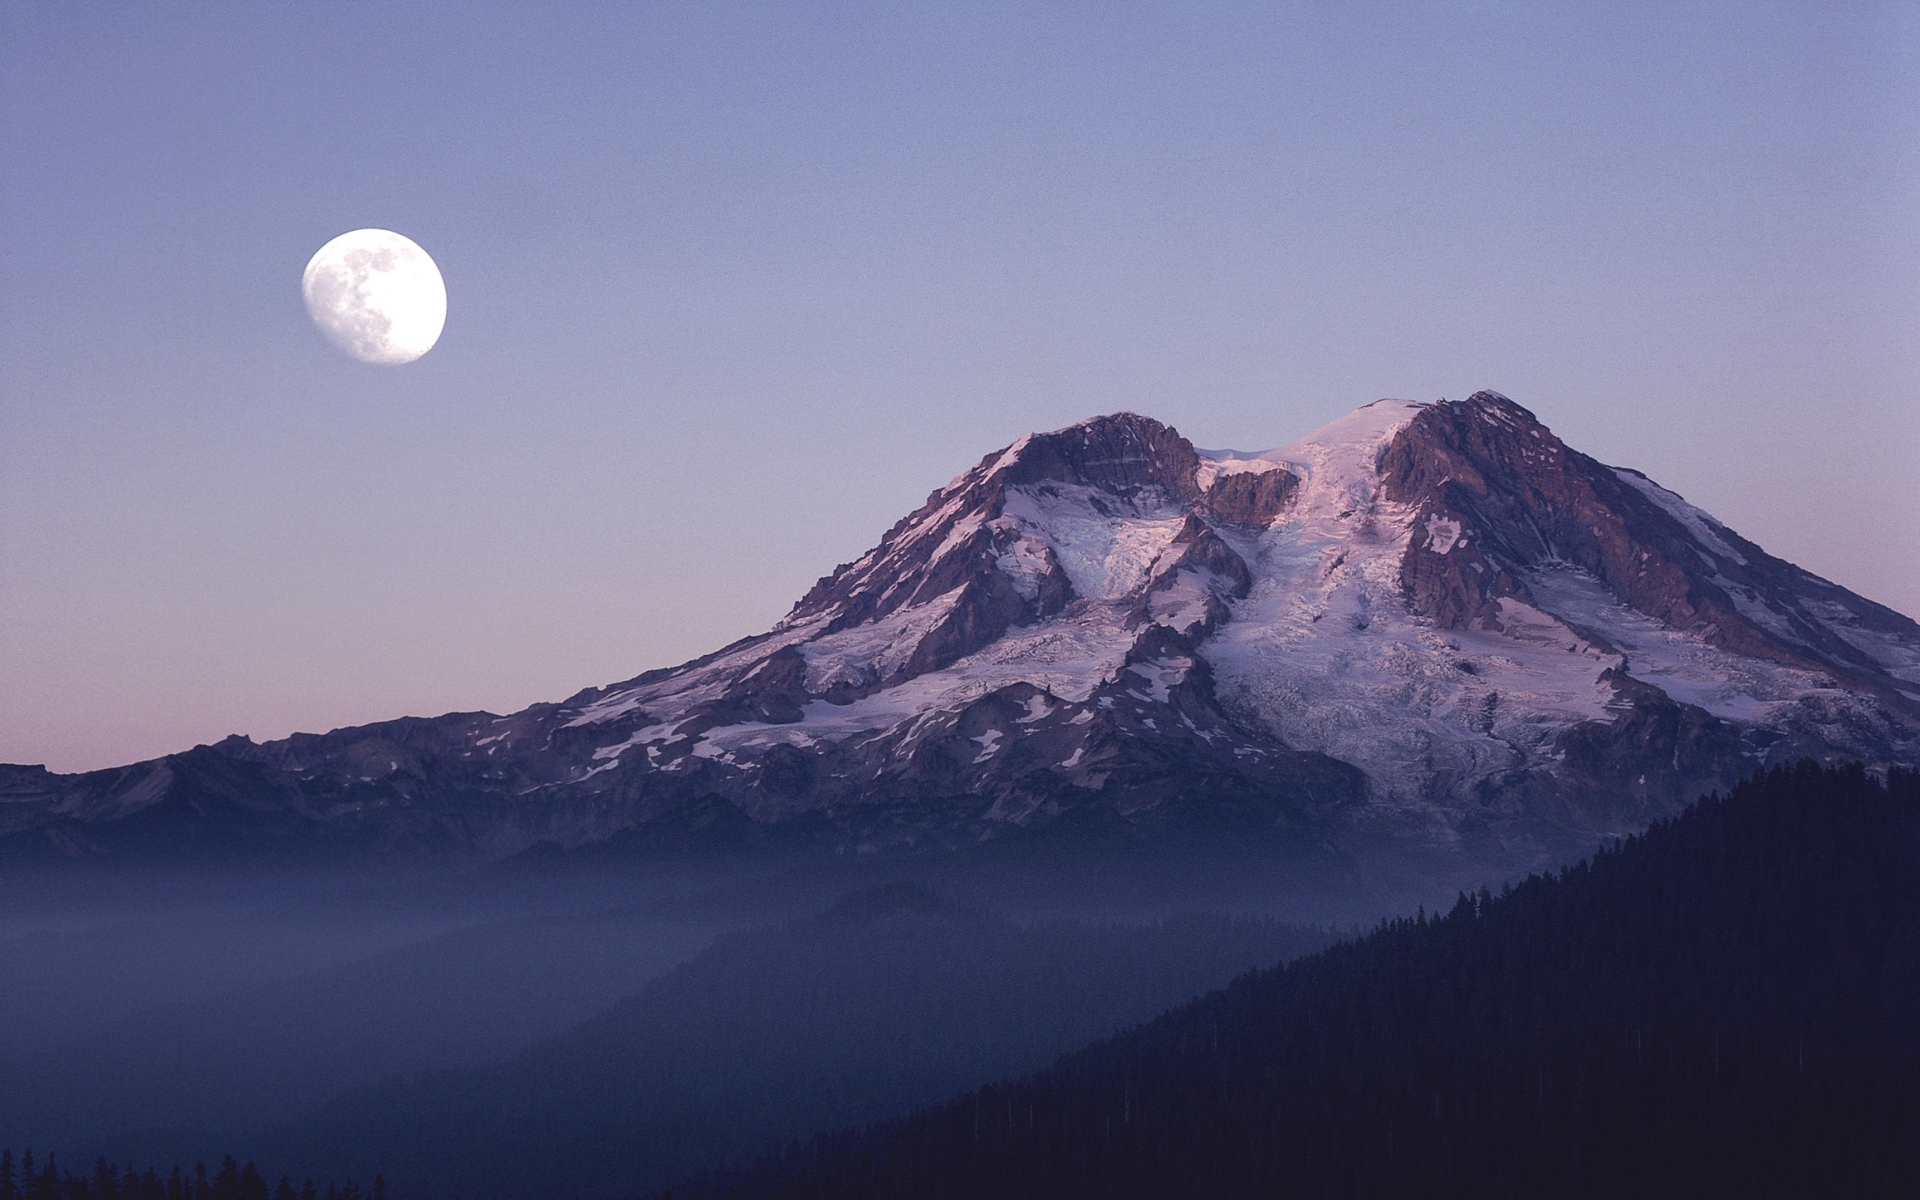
1251, 498
954, 538
1495, 493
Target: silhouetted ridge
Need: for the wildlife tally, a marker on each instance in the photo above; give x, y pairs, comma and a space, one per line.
889, 900
894, 997
1726, 1005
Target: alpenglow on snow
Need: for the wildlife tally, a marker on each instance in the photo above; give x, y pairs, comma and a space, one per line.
1425, 625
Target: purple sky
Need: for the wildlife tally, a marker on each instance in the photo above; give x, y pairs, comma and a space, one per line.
733, 287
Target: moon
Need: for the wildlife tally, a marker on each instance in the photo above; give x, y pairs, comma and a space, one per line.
377, 296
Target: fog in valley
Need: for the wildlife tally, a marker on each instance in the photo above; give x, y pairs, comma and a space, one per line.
462, 1031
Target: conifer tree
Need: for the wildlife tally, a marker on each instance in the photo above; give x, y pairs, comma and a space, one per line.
47, 1186
226, 1185
106, 1180
252, 1185
1724, 1005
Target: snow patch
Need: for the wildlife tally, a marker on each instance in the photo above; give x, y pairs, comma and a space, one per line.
1704, 528
1162, 675
1037, 709
1443, 533
989, 743
1182, 604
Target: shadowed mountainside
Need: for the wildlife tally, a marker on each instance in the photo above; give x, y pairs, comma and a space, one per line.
1727, 1005
894, 997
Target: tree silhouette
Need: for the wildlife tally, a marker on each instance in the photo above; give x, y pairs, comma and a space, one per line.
1728, 1004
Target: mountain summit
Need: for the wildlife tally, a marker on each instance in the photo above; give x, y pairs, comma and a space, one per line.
1424, 625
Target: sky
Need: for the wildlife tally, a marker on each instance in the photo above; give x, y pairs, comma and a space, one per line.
732, 287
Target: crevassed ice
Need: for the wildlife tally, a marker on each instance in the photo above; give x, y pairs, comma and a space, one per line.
1107, 546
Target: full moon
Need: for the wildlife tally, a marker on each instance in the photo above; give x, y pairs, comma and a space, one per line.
377, 296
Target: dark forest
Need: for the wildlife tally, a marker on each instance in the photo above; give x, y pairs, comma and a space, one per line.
47, 1180
1728, 1004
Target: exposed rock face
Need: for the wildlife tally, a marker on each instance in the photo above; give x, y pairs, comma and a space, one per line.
1432, 626
962, 538
1496, 494
1251, 499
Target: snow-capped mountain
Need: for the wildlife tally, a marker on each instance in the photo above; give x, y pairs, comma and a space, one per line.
1431, 625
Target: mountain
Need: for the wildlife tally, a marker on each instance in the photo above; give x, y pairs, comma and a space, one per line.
894, 998
1725, 1006
1429, 628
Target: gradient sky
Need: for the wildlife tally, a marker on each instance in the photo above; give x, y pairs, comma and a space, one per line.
733, 287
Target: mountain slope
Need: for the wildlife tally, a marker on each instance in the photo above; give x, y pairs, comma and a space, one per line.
1424, 626
1725, 1006
893, 998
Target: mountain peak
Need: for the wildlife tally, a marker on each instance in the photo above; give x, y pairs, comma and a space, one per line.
1120, 451
1507, 511
1431, 622
1124, 422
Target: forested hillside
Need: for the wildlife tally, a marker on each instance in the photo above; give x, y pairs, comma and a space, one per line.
1727, 1005
106, 1181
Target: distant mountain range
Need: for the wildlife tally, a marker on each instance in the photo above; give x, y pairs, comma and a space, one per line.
894, 998
1425, 627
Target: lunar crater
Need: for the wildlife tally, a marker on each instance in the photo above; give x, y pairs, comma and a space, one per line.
377, 296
